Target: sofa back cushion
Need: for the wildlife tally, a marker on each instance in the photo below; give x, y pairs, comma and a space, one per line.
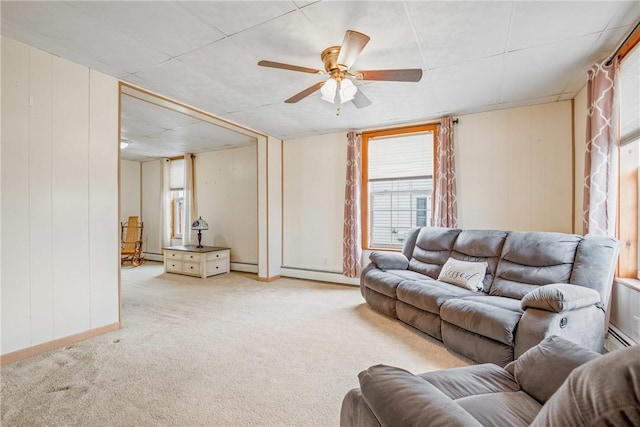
602, 392
480, 246
432, 249
595, 264
531, 259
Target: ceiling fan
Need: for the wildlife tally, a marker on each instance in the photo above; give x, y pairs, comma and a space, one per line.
337, 60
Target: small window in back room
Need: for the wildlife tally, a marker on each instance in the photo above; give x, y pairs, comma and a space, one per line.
398, 184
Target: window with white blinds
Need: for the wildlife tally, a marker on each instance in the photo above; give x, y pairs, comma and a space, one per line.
176, 183
401, 156
400, 185
629, 89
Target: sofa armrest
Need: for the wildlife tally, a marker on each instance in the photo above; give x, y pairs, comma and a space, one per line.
398, 398
561, 297
389, 260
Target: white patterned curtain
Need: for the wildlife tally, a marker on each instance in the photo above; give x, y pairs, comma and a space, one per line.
351, 246
188, 215
446, 207
165, 203
600, 163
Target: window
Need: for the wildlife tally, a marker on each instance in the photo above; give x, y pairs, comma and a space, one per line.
177, 196
397, 185
629, 215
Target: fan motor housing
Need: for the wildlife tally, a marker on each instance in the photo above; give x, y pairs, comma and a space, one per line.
330, 60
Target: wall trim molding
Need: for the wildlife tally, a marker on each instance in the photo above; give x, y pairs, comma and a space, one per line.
269, 279
317, 275
52, 345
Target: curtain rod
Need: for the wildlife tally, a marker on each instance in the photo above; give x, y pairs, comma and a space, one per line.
615, 52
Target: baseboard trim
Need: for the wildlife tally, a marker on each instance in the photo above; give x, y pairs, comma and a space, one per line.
18, 355
244, 267
268, 279
320, 276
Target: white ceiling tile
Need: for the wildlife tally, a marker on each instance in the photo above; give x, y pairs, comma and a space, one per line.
537, 23
463, 86
455, 32
464, 41
231, 17
46, 44
162, 24
627, 13
603, 48
82, 34
387, 49
152, 115
543, 71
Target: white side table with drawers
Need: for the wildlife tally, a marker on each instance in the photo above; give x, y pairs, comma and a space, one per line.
194, 261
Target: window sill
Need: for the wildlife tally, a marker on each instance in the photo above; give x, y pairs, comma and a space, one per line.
629, 282
398, 249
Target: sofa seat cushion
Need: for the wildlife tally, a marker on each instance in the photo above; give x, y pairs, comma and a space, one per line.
429, 294
382, 282
457, 383
515, 408
489, 316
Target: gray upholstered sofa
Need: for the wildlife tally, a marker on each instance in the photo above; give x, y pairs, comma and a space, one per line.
535, 284
556, 383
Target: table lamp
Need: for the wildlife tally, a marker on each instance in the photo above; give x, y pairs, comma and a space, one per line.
199, 224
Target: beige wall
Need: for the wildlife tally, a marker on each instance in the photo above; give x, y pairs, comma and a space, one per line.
514, 168
314, 171
129, 189
226, 197
514, 173
59, 198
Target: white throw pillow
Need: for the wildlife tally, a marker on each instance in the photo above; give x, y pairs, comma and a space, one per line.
465, 274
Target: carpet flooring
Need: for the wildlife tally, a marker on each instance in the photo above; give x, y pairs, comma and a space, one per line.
224, 351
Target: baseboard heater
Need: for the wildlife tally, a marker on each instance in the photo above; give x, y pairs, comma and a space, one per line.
617, 339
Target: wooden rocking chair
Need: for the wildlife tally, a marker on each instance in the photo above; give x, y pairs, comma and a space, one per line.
131, 241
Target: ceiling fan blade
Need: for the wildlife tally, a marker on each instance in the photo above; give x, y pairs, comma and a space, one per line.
352, 45
406, 75
301, 95
360, 100
290, 67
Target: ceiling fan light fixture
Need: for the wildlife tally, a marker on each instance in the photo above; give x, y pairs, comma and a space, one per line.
347, 91
328, 90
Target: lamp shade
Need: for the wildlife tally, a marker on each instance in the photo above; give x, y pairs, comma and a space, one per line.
199, 224
347, 90
328, 90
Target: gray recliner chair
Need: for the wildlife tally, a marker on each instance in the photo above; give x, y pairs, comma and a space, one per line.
555, 383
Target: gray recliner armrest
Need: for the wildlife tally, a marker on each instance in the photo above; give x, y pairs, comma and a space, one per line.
389, 260
560, 297
398, 398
